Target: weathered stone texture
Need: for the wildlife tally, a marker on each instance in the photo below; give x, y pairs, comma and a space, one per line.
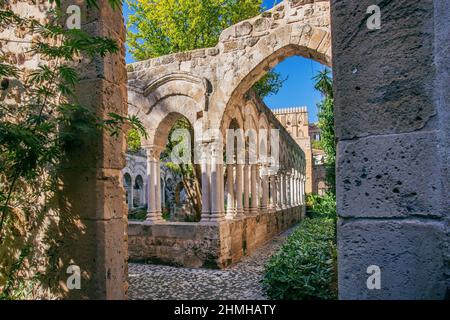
207, 245
409, 254
391, 108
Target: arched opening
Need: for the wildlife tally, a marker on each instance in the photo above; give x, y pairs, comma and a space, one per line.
138, 192
127, 184
181, 193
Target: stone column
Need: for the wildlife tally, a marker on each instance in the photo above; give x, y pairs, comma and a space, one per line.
239, 187
255, 196
131, 195
286, 190
265, 188
246, 181
153, 172
206, 176
273, 192
279, 203
231, 209
217, 187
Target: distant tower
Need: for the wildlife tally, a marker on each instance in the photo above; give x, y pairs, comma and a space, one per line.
295, 120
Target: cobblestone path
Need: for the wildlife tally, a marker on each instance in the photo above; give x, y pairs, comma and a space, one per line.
239, 282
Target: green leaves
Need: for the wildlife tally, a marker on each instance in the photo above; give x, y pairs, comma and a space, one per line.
304, 268
324, 84
161, 27
269, 85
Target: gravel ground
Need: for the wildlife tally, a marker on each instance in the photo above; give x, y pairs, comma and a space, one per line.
238, 282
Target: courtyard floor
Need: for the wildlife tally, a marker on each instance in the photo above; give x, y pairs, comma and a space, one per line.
238, 282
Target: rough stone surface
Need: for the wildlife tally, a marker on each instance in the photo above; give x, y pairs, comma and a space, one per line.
391, 115
409, 254
238, 282
207, 245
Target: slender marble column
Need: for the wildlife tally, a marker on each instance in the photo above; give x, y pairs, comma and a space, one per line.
265, 188
239, 187
246, 181
216, 191
273, 192
231, 209
154, 214
255, 196
206, 175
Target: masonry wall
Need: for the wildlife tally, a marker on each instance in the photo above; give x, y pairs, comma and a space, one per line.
207, 245
392, 109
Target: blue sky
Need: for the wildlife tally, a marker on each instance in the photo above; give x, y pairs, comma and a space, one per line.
298, 89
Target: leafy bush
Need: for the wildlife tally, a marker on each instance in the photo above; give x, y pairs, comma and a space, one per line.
324, 206
305, 266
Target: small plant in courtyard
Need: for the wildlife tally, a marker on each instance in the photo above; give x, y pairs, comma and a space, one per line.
305, 266
323, 206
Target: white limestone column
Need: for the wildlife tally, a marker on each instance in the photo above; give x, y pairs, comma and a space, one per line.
285, 190
206, 172
273, 191
279, 191
158, 188
239, 190
154, 199
246, 181
231, 209
265, 188
131, 204
216, 191
295, 189
255, 196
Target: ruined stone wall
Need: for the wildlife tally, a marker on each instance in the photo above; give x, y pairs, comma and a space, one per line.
392, 113
207, 245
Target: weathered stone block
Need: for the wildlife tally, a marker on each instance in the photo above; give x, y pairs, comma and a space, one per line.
408, 252
390, 176
385, 77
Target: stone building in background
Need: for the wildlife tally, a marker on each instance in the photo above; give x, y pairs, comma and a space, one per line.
296, 122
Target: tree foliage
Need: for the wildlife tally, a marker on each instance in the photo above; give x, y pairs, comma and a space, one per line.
189, 173
161, 27
41, 119
324, 84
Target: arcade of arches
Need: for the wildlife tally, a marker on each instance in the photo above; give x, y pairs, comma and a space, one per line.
211, 88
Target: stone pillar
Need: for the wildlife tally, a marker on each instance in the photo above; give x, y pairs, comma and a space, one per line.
279, 203
95, 236
289, 198
206, 176
283, 190
394, 147
231, 208
239, 195
217, 187
131, 194
246, 181
264, 187
255, 196
273, 192
154, 177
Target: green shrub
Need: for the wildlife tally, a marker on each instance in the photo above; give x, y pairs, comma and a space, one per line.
305, 266
324, 206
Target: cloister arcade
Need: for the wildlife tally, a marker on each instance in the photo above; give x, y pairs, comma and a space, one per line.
211, 88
